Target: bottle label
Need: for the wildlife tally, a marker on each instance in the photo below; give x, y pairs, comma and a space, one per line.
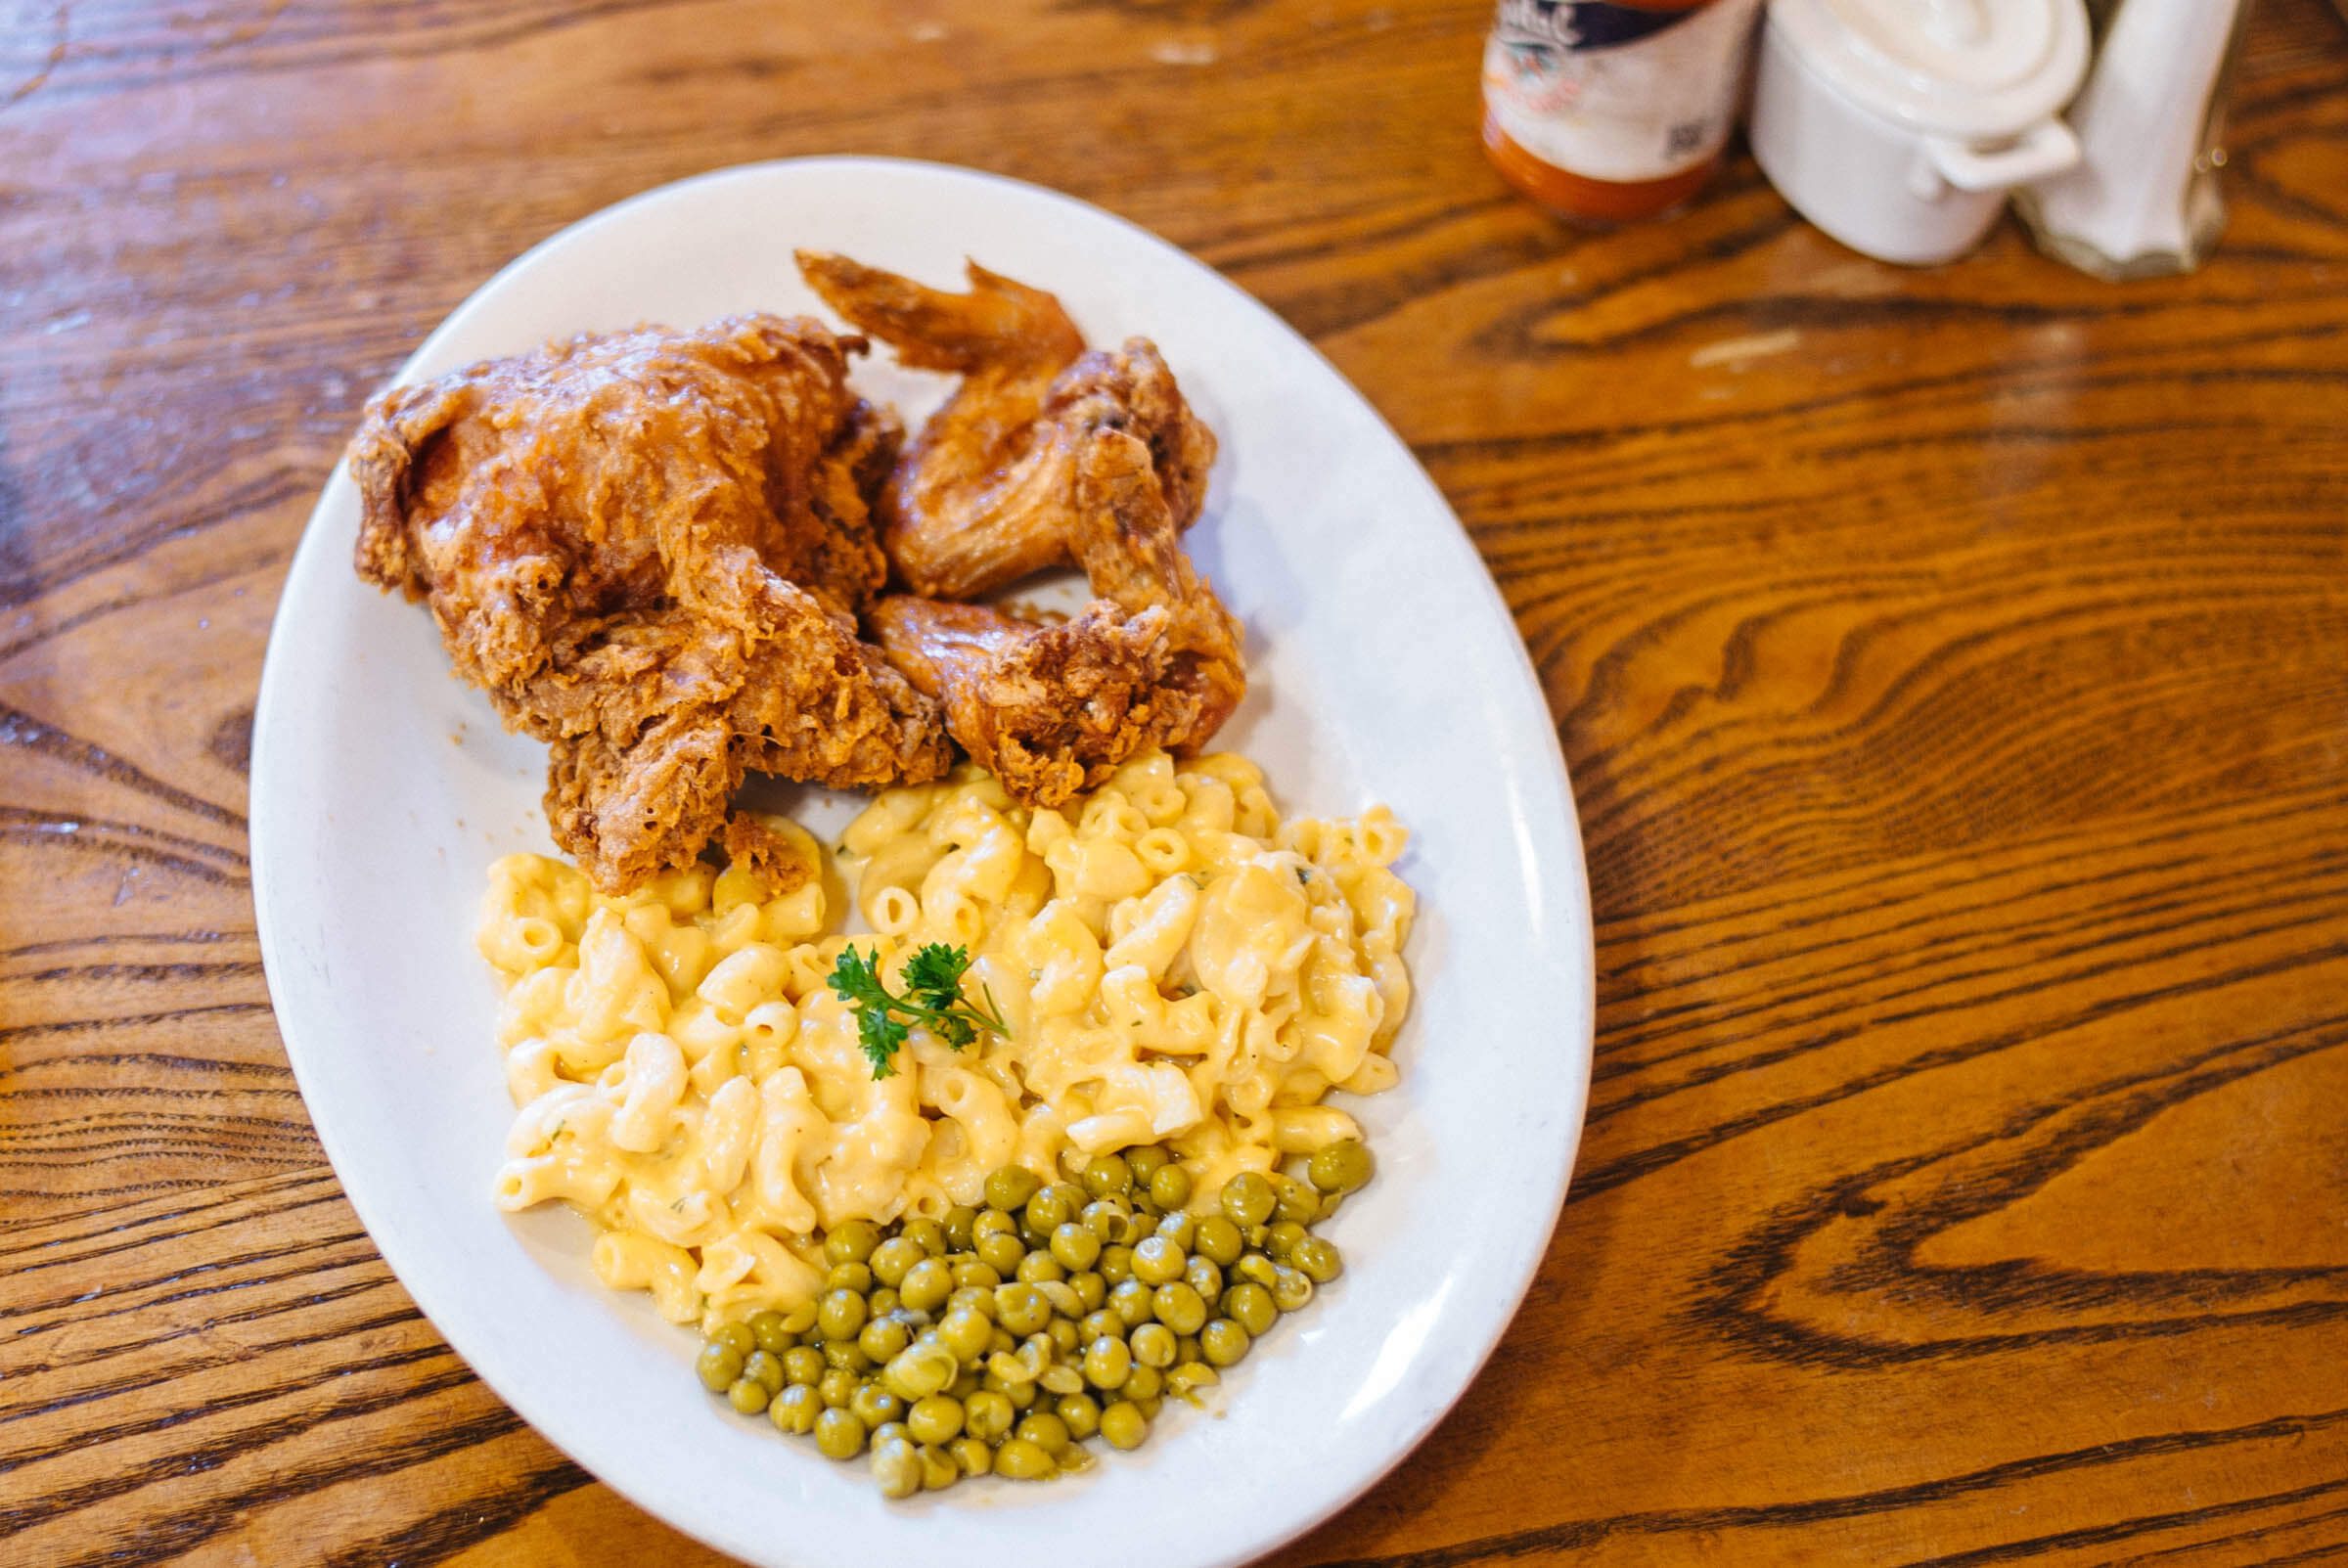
1617, 92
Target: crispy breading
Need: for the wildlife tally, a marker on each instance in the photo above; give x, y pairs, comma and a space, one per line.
649, 547
1045, 455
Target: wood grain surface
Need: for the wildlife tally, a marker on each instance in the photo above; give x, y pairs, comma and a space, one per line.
1952, 668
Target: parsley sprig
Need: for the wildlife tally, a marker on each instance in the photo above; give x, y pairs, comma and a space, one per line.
933, 1000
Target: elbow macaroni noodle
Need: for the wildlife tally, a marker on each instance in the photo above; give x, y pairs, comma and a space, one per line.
1176, 964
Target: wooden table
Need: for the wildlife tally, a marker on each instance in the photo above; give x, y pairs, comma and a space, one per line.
1953, 666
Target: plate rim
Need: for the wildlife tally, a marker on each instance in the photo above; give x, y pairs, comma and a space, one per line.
1579, 1022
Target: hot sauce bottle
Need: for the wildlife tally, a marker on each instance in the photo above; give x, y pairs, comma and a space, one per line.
1609, 111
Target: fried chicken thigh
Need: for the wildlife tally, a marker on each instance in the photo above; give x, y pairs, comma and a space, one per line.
1045, 455
649, 547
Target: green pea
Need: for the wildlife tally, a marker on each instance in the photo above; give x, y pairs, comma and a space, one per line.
1145, 1162
890, 1432
735, 1338
876, 1406
924, 1368
836, 1387
1123, 1425
1217, 1239
1106, 1220
1063, 1334
973, 1455
1075, 1247
1021, 1308
1010, 1188
841, 1314
1180, 1229
1022, 1461
1294, 1203
992, 1222
964, 1384
1038, 1266
1179, 1306
838, 1435
926, 1285
1081, 1413
1049, 1210
965, 1333
1331, 1203
1091, 1290
987, 1415
748, 1396
1095, 1324
976, 1270
1131, 1302
1157, 1260
959, 1221
884, 1301
1318, 1260
1291, 1289
1257, 1267
1282, 1238
939, 1468
925, 1234
979, 1299
851, 1276
1107, 1363
1344, 1166
767, 1330
1148, 1407
1186, 1348
718, 1366
1191, 1376
1142, 1383
764, 1368
794, 1410
1116, 1263
1170, 1187
896, 1468
1106, 1175
1002, 1253
883, 1338
1251, 1307
846, 1356
852, 1242
936, 1418
1201, 1275
802, 1363
1031, 1234
1152, 1345
1044, 1429
893, 1259
1223, 1342
1248, 1199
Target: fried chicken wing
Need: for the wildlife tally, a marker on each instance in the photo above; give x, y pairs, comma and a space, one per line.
981, 497
649, 547
1045, 457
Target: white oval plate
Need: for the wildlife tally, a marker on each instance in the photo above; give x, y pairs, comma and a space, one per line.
1382, 665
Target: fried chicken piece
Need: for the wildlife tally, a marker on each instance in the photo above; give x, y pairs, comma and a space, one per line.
1048, 709
1045, 455
649, 547
1155, 661
979, 498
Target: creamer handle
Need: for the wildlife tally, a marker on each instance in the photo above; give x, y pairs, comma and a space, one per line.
2047, 148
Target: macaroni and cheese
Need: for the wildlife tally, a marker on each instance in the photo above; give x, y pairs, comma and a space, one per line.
1174, 962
